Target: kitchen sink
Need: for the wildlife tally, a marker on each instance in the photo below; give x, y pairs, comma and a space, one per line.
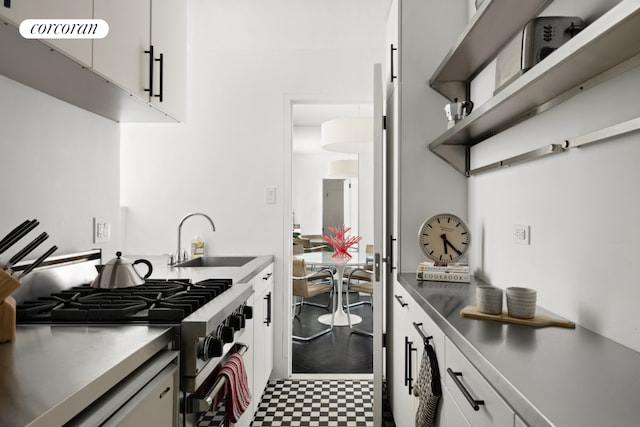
217, 261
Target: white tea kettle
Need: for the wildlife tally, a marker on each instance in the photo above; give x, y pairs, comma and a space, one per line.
120, 273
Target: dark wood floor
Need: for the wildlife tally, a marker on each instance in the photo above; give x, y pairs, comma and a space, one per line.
338, 352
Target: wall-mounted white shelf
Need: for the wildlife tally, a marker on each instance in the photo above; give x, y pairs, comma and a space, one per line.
492, 26
607, 47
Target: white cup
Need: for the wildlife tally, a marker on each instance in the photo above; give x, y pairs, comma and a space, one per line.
489, 299
521, 302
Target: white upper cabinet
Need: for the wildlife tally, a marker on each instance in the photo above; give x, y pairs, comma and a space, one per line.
101, 75
169, 39
78, 49
145, 51
120, 56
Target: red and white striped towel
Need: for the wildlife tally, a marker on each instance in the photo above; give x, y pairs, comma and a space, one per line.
236, 388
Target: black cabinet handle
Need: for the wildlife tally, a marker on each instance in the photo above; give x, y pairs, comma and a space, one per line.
266, 277
408, 370
475, 404
406, 361
391, 261
161, 61
391, 60
267, 321
425, 338
151, 58
402, 303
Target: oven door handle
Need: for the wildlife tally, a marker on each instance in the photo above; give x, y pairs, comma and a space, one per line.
203, 404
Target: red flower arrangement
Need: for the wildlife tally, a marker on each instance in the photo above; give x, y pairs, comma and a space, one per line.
340, 242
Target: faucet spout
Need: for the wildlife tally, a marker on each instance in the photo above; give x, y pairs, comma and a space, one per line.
179, 256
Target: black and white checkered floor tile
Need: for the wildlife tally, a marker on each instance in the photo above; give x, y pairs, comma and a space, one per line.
333, 403
330, 403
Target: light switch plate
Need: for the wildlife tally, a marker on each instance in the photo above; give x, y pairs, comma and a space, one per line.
270, 195
521, 234
101, 230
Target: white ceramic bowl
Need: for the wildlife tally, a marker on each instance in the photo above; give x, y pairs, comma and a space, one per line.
489, 299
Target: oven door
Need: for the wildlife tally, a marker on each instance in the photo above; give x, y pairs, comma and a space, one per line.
206, 407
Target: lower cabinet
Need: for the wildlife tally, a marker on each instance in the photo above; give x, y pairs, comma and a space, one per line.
263, 331
462, 385
449, 414
468, 388
259, 336
411, 328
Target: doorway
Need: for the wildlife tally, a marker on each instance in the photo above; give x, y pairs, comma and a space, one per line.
320, 201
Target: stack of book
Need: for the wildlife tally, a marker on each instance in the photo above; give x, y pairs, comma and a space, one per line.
443, 273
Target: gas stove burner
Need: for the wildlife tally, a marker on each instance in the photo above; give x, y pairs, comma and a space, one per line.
152, 302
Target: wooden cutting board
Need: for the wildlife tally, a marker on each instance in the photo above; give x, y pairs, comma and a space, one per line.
539, 320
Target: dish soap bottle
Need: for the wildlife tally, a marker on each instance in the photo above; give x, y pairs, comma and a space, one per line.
197, 247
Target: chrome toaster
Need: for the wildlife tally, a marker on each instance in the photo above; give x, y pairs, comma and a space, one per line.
540, 37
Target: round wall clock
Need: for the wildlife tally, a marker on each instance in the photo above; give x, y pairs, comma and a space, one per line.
444, 238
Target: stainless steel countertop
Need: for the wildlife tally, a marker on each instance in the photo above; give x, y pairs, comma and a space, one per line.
550, 376
48, 374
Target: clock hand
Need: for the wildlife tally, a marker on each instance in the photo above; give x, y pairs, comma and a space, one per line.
453, 247
444, 242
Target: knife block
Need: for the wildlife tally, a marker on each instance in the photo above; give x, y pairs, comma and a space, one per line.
7, 319
8, 284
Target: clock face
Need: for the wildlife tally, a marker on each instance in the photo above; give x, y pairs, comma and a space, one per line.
444, 238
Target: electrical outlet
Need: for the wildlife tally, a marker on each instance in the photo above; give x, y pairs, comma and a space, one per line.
521, 234
101, 230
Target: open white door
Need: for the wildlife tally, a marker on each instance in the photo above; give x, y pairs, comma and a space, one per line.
379, 208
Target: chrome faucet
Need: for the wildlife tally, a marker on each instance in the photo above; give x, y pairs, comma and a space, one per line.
179, 255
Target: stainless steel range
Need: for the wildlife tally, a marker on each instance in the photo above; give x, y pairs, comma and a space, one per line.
207, 316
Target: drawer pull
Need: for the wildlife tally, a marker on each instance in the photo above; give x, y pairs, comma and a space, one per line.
408, 365
475, 404
425, 338
402, 303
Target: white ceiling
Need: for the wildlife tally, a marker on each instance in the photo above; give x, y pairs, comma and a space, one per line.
307, 119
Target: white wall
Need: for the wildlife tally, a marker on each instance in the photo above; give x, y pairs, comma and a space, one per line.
582, 206
58, 164
246, 60
308, 171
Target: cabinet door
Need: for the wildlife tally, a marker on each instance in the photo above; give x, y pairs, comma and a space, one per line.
493, 412
392, 59
78, 49
120, 56
449, 415
154, 405
263, 327
402, 402
169, 39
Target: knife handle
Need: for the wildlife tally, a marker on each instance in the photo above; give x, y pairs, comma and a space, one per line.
39, 261
20, 231
29, 248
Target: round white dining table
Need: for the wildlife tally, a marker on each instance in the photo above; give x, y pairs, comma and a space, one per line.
325, 259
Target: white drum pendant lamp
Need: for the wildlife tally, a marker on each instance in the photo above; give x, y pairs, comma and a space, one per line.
343, 168
348, 135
